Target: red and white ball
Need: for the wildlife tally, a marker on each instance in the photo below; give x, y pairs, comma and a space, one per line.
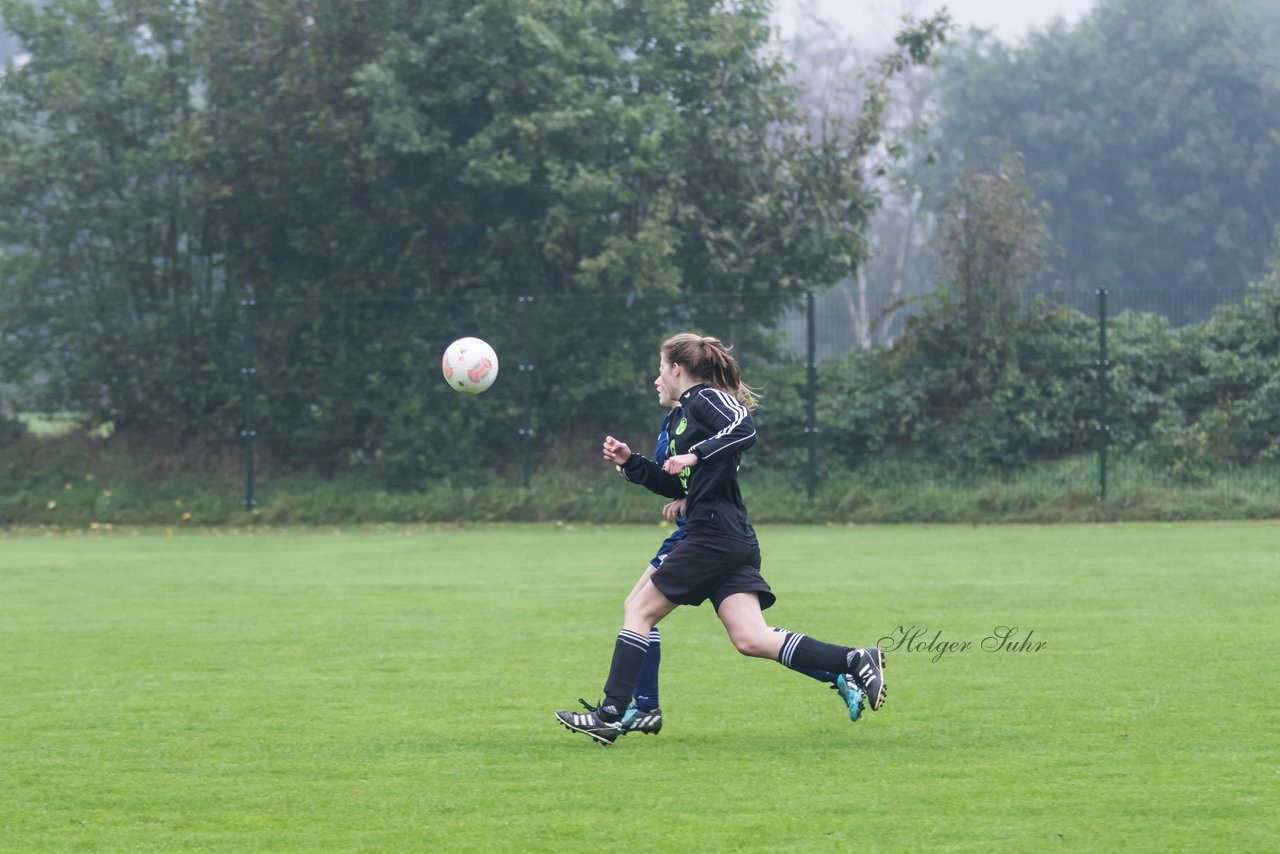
470, 365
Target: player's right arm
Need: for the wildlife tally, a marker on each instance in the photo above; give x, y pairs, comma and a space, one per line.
644, 471
638, 468
616, 452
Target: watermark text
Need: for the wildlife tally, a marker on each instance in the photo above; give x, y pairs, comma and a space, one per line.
931, 642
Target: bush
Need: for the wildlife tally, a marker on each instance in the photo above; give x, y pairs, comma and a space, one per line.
1220, 405
11, 430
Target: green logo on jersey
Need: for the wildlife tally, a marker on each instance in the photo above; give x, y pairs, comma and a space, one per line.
684, 422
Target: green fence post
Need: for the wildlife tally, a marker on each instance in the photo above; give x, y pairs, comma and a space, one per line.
811, 366
1104, 429
526, 381
247, 434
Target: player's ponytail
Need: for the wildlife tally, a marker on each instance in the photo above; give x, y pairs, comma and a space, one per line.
709, 360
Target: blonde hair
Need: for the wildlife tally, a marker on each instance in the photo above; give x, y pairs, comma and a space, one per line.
709, 360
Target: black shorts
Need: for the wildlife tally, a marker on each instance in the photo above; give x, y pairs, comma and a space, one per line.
667, 545
703, 567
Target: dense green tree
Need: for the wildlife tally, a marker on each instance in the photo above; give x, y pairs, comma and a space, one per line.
1149, 130
380, 176
620, 161
638, 166
110, 298
10, 44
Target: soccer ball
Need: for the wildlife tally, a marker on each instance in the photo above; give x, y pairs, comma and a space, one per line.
470, 365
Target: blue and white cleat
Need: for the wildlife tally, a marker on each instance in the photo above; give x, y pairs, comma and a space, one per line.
852, 695
634, 720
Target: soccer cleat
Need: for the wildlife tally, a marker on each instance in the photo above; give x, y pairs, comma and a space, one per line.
634, 720
589, 723
852, 695
866, 670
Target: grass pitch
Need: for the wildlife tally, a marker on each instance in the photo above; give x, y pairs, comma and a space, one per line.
393, 690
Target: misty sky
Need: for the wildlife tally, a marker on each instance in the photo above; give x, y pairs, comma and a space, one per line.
877, 19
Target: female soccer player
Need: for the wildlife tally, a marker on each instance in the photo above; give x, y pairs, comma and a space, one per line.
719, 556
643, 714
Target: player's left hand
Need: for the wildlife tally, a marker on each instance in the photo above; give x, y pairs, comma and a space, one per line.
680, 462
673, 511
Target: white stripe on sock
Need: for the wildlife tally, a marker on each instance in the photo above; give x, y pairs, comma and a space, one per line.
789, 649
634, 639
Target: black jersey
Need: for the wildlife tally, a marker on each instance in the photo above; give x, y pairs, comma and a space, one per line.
717, 427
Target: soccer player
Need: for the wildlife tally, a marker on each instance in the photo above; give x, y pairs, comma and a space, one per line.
719, 556
643, 714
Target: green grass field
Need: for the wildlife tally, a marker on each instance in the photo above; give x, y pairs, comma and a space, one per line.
393, 690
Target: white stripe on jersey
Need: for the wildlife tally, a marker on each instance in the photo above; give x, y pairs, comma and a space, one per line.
730, 407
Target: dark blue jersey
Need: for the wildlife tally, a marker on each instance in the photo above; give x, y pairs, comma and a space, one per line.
662, 450
717, 427
660, 453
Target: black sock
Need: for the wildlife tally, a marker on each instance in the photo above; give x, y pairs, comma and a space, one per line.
800, 652
628, 657
821, 675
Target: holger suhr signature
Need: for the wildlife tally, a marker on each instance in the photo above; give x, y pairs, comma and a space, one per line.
923, 639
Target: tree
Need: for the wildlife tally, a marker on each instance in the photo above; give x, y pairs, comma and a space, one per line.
382, 176
842, 80
637, 166
1148, 128
994, 243
982, 377
109, 297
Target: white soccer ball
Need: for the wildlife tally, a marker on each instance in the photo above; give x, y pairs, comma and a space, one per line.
470, 365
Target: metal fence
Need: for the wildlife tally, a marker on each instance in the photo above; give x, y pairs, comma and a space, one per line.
817, 331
